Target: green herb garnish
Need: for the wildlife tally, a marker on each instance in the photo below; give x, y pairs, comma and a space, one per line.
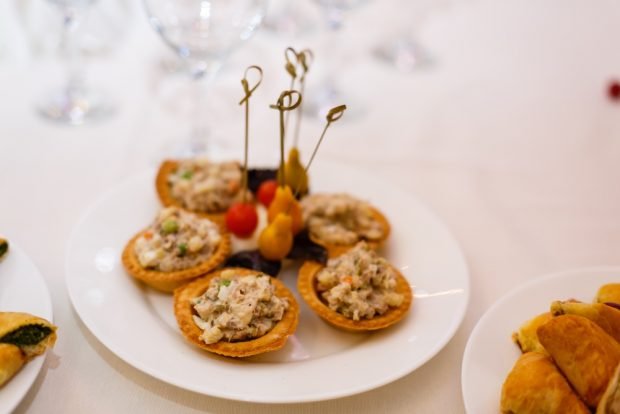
187, 175
225, 282
170, 226
182, 249
27, 335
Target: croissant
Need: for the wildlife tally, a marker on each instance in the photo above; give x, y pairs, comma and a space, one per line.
609, 293
526, 337
610, 403
11, 360
31, 334
607, 317
536, 386
583, 351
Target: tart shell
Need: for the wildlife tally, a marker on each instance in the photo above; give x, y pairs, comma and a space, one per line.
165, 196
338, 249
168, 281
271, 341
307, 289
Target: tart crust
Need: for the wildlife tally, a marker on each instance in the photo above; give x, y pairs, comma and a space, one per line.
168, 281
307, 289
165, 196
271, 341
334, 250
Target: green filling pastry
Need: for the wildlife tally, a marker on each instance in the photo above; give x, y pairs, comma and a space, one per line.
27, 335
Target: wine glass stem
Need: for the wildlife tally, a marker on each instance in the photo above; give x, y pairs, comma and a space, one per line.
335, 18
202, 79
70, 52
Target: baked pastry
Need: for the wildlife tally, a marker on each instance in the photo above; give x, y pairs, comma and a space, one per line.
199, 185
609, 293
4, 247
22, 337
526, 337
606, 317
339, 221
356, 291
236, 312
33, 335
11, 360
583, 351
610, 403
536, 386
177, 247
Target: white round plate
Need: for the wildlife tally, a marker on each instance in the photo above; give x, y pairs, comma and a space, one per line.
22, 289
318, 362
490, 353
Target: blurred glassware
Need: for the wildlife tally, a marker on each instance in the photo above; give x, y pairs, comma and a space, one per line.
99, 32
329, 93
203, 33
401, 48
74, 103
290, 18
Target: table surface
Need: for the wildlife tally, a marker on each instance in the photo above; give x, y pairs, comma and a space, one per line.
508, 136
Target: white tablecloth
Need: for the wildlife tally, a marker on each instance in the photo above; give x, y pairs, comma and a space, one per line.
510, 137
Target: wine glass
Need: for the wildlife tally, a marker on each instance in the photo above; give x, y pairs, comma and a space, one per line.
401, 48
203, 33
328, 93
73, 103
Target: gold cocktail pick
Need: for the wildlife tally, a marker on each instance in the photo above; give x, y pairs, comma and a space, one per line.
333, 115
305, 59
290, 55
246, 100
287, 101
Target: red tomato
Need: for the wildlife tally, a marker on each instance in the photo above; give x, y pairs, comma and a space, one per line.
267, 191
241, 219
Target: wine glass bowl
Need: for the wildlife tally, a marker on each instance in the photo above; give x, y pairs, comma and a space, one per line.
203, 33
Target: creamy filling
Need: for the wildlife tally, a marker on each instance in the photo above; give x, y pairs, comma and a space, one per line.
204, 186
238, 308
177, 240
340, 219
358, 284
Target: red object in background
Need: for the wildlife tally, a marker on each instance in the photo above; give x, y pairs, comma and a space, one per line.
613, 90
267, 191
242, 219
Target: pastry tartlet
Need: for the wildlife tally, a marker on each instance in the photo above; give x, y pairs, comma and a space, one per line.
203, 187
356, 291
177, 247
339, 221
246, 312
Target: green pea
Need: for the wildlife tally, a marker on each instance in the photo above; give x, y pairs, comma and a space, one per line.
170, 226
182, 249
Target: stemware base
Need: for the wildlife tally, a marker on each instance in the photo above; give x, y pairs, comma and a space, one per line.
328, 96
404, 54
74, 107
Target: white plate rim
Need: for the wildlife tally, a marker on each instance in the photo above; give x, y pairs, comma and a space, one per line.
120, 353
467, 353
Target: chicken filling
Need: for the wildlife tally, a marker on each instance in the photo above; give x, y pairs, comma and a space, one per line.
238, 308
358, 284
340, 219
177, 240
204, 186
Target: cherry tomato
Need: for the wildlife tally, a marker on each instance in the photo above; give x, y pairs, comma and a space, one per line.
267, 191
241, 219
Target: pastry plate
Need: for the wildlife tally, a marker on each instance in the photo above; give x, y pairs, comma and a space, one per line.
318, 362
22, 289
490, 353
